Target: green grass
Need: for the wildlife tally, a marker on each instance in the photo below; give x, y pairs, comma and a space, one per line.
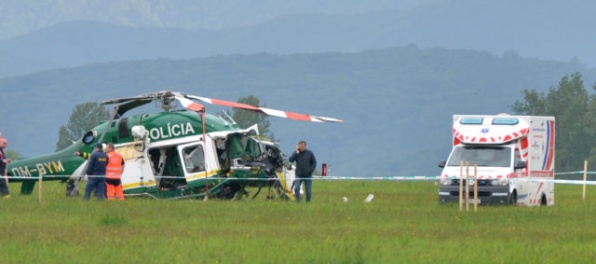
403, 224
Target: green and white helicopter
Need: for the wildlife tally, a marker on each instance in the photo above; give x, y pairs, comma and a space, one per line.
175, 153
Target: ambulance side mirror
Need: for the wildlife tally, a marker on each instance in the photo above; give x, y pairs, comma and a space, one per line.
442, 164
520, 165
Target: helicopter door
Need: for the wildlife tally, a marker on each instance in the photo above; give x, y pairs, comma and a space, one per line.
194, 161
137, 175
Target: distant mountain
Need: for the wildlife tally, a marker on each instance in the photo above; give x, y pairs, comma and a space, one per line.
19, 17
554, 30
397, 103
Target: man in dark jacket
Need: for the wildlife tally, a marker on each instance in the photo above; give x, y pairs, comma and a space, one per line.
305, 165
96, 173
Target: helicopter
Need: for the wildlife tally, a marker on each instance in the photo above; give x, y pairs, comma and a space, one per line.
175, 153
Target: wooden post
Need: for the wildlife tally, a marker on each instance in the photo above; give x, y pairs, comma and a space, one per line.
203, 121
467, 191
475, 187
585, 179
461, 188
39, 190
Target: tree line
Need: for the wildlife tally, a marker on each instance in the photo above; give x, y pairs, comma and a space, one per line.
573, 106
574, 109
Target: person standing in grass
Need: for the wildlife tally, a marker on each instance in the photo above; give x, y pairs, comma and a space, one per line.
114, 171
96, 171
4, 191
305, 166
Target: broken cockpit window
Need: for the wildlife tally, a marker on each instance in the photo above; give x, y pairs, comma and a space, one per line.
194, 158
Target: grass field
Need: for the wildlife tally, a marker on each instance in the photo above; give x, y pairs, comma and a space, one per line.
403, 224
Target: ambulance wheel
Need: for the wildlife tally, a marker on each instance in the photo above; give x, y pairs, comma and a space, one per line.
513, 199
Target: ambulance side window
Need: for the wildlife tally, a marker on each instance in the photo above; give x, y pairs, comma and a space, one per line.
194, 159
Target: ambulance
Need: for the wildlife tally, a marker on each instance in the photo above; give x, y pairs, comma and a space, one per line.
512, 156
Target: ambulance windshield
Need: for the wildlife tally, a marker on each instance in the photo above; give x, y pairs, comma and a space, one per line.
483, 156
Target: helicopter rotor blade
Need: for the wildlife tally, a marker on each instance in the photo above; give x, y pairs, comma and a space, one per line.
152, 96
189, 104
123, 108
128, 103
126, 99
267, 111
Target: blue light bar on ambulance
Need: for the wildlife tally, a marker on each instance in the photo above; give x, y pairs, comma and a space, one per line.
471, 121
505, 121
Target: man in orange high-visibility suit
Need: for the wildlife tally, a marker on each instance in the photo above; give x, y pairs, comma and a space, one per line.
114, 173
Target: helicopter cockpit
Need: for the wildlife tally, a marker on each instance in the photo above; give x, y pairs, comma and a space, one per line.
251, 152
194, 158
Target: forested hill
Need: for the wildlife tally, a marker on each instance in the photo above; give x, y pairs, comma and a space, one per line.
18, 17
397, 103
546, 29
